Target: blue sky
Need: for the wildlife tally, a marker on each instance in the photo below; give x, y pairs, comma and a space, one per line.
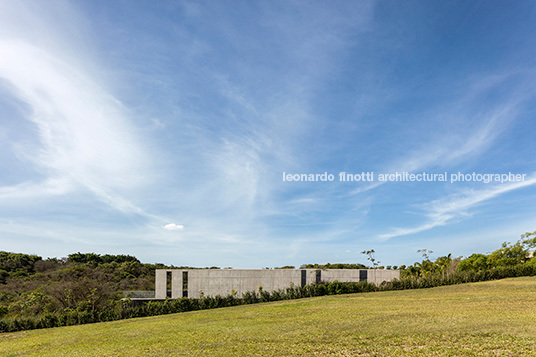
162, 130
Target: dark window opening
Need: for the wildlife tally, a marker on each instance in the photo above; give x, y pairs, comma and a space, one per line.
168, 284
185, 284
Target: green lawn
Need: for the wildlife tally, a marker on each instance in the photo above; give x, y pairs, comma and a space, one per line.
490, 318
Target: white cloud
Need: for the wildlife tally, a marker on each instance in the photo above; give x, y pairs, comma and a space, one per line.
440, 212
50, 187
85, 139
173, 227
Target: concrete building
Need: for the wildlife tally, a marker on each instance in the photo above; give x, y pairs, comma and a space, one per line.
210, 282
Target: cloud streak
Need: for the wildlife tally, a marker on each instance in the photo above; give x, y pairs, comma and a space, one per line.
133, 122
442, 211
85, 139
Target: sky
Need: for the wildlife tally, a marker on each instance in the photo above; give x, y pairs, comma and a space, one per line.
187, 132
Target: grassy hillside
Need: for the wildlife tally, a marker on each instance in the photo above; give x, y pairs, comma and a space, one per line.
489, 318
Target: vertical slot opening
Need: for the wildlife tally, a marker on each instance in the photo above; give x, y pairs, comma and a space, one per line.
168, 284
185, 284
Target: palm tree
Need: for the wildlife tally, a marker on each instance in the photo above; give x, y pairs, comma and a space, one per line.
443, 263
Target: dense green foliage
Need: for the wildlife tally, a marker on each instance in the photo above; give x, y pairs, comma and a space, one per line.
16, 265
333, 266
32, 287
99, 259
125, 309
509, 255
86, 287
480, 319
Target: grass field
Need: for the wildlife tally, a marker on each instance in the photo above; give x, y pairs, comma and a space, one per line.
495, 318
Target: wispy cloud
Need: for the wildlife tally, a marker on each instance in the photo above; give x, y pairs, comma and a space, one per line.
49, 187
263, 112
85, 139
466, 130
442, 211
172, 124
453, 146
468, 127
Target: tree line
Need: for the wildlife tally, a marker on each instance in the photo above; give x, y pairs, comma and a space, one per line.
87, 287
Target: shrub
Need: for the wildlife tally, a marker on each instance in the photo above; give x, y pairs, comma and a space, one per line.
125, 308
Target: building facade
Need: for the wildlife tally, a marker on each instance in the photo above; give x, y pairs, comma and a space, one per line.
194, 283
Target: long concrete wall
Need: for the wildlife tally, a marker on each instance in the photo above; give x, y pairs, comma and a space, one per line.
211, 282
226, 281
376, 276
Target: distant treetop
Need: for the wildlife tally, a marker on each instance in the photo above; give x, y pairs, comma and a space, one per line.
99, 259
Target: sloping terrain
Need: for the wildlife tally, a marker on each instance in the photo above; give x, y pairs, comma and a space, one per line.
490, 318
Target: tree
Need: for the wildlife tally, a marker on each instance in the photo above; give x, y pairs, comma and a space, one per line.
370, 257
443, 263
509, 254
425, 253
474, 262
